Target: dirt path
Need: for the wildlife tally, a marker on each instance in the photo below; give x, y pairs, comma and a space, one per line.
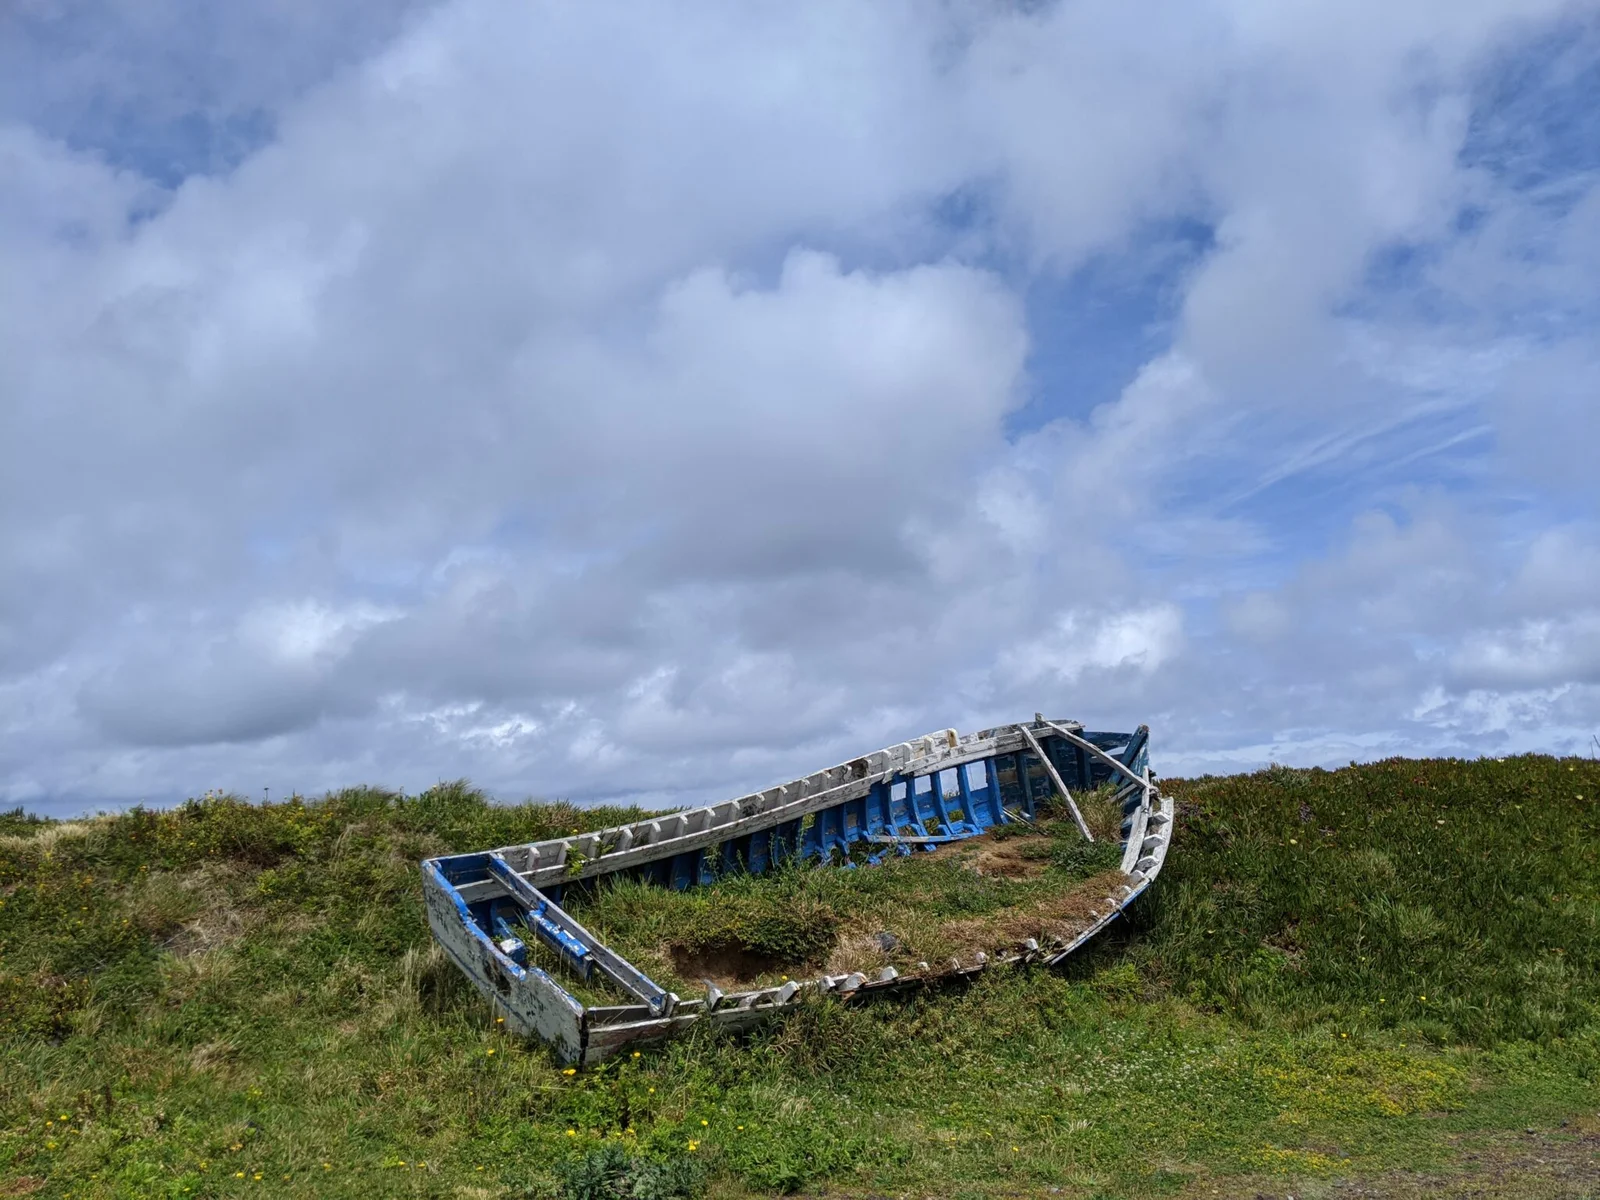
1545, 1164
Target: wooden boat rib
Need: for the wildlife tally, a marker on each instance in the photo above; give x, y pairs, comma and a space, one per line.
938, 789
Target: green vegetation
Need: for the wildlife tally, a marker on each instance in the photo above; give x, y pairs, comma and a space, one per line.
1351, 973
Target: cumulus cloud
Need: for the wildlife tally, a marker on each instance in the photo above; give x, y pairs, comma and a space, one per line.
1534, 654
1134, 642
632, 401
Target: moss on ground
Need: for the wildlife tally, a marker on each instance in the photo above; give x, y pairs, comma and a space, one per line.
1382, 974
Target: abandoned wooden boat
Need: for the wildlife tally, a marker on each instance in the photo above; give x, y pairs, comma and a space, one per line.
917, 796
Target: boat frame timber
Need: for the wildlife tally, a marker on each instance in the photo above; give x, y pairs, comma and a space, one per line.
481, 905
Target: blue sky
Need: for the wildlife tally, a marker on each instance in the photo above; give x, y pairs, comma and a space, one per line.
656, 401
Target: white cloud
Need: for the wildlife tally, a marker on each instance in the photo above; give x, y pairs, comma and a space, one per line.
1533, 654
1136, 642
308, 630
616, 401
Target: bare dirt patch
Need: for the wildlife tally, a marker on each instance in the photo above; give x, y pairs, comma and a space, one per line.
1549, 1164
728, 967
1024, 857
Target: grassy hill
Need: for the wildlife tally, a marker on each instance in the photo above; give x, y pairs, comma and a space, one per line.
1387, 974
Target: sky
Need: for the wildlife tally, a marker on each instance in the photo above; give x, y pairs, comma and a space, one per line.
651, 402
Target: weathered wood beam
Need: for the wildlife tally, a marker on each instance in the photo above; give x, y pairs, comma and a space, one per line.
1110, 760
1055, 778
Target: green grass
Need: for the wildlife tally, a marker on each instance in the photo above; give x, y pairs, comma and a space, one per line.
1325, 982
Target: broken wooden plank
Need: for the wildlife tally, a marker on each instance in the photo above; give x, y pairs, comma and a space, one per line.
1055, 778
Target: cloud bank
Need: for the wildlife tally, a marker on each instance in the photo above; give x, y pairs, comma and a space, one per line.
653, 401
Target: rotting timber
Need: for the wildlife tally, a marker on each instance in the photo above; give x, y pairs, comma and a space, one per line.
918, 796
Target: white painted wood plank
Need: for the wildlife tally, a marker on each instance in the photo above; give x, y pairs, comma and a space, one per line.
1055, 777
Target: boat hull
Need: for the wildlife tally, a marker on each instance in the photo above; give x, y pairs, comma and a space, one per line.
936, 790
